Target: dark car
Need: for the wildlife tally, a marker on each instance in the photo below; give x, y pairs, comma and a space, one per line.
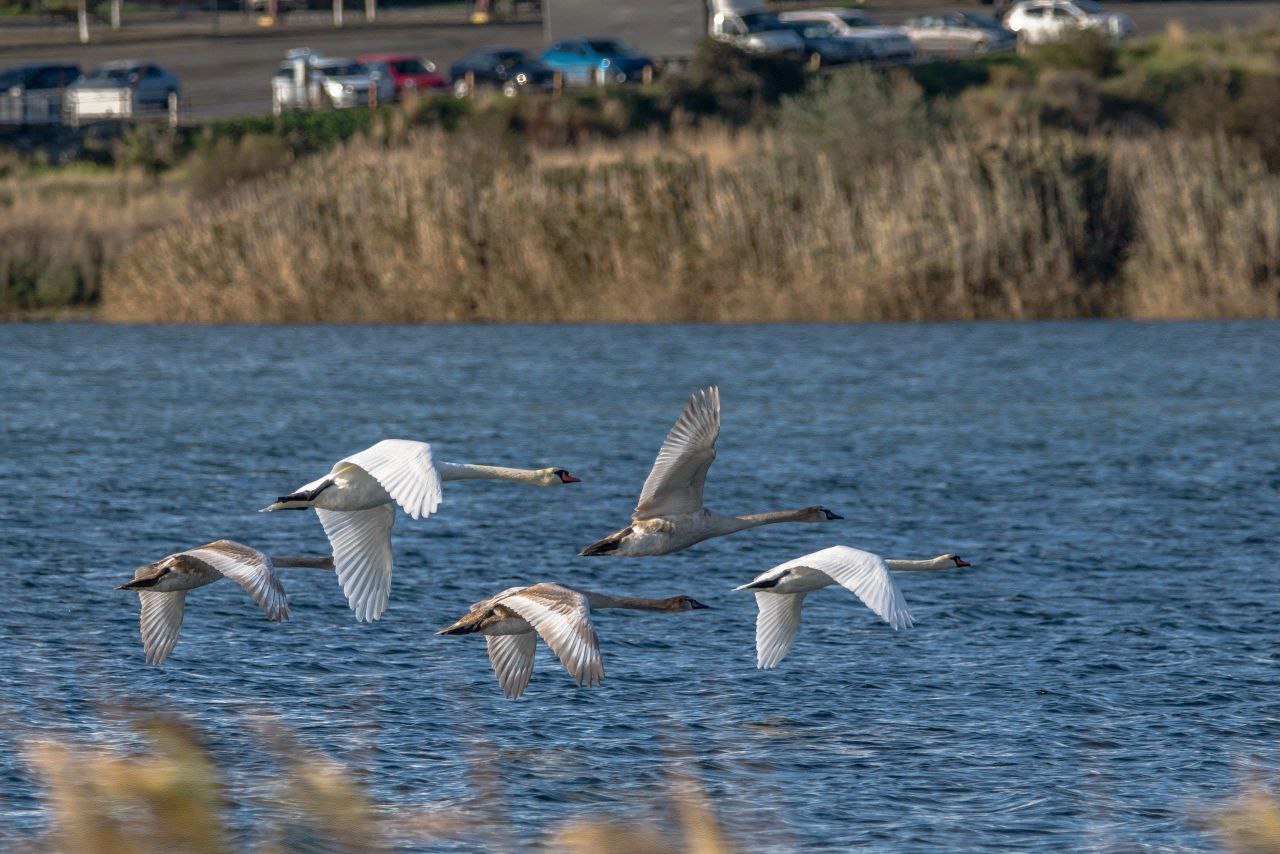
821, 47
507, 69
32, 93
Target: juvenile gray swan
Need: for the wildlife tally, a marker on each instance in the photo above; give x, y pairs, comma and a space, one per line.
162, 587
669, 516
355, 502
562, 616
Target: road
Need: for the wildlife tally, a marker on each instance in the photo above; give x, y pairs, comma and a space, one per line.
229, 73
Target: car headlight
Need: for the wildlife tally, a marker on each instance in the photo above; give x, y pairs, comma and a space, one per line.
522, 78
604, 63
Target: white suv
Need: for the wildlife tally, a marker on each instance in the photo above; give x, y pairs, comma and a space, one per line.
1040, 21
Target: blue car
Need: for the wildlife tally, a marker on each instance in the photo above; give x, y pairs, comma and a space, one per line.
597, 60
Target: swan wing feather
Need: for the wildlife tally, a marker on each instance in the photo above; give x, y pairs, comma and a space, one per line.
361, 541
249, 568
405, 470
863, 574
776, 626
562, 617
674, 485
511, 657
160, 618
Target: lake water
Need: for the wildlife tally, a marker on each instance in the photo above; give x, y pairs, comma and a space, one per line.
1103, 677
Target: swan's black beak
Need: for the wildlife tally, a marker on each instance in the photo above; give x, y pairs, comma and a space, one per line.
697, 606
960, 561
138, 584
830, 515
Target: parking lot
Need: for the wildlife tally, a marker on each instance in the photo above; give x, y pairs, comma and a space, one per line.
228, 73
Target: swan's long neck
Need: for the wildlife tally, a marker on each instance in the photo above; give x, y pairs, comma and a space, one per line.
930, 565
729, 524
302, 561
634, 603
470, 471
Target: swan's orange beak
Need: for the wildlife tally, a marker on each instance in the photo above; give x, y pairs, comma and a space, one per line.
565, 477
961, 561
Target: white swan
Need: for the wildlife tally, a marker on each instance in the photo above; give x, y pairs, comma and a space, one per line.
162, 587
780, 593
354, 503
561, 615
670, 516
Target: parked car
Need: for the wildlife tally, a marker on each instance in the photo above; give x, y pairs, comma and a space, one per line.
822, 47
406, 72
959, 34
125, 88
507, 69
309, 80
32, 93
589, 61
885, 44
1040, 21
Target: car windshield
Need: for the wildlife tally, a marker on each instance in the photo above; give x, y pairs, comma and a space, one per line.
608, 46
12, 77
807, 29
115, 75
409, 66
509, 57
343, 69
1088, 6
758, 22
857, 19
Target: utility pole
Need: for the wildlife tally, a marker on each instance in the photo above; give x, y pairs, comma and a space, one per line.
370, 10
337, 13
115, 14
82, 18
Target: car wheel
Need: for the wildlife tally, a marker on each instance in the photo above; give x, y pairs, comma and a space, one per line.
460, 88
510, 89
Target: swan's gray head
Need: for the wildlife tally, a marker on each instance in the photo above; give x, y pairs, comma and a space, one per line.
149, 576
554, 477
818, 514
686, 603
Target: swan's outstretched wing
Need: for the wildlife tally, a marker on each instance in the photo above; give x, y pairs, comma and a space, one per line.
512, 659
161, 618
863, 574
561, 616
249, 568
675, 483
776, 626
405, 470
361, 541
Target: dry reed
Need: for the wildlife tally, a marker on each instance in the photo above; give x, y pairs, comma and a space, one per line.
1041, 225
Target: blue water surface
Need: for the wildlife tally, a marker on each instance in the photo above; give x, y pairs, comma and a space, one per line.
1102, 678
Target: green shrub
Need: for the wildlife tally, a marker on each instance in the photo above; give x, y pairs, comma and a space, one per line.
1087, 50
731, 85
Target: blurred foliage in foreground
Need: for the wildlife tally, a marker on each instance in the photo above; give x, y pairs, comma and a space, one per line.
172, 797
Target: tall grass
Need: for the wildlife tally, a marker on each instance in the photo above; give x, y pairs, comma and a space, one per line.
1045, 224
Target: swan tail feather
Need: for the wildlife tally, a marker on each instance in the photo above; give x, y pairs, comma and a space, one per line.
607, 544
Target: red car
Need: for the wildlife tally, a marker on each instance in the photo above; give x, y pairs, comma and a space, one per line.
409, 73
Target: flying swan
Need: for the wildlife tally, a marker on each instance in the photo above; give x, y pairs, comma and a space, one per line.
670, 516
780, 592
561, 615
354, 503
162, 587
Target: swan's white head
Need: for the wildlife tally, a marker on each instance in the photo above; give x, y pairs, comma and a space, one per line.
955, 560
554, 477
